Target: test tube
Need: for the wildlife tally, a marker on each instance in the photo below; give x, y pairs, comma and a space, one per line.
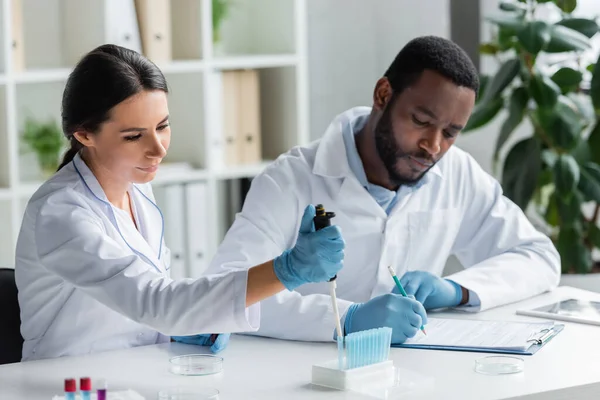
70, 388
85, 386
101, 391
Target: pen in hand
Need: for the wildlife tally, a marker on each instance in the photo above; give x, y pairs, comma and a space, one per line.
401, 289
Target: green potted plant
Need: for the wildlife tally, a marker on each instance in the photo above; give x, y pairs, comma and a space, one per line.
555, 171
220, 11
46, 140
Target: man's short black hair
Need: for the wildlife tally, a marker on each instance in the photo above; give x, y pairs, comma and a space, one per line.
433, 53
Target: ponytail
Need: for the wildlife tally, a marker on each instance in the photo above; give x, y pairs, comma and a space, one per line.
70, 154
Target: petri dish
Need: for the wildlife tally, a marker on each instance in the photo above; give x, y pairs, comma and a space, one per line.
196, 364
499, 365
191, 393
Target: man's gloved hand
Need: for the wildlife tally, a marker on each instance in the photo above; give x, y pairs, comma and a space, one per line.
404, 315
316, 257
216, 342
431, 290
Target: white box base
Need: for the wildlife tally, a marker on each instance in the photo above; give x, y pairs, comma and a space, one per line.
327, 374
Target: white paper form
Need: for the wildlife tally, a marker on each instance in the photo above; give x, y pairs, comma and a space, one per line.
479, 334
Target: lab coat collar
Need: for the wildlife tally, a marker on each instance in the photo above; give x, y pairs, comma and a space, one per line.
331, 159
149, 218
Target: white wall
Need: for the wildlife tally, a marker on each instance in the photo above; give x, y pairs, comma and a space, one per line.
352, 42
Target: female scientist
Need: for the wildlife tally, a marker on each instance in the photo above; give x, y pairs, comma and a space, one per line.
92, 267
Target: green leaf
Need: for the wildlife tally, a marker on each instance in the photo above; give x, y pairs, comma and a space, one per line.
566, 5
566, 175
483, 82
569, 210
595, 88
568, 79
594, 234
582, 153
594, 143
591, 67
512, 21
549, 157
573, 253
567, 110
584, 105
483, 113
516, 110
564, 39
505, 75
562, 124
589, 182
551, 216
489, 48
510, 6
587, 27
544, 91
534, 36
521, 171
506, 38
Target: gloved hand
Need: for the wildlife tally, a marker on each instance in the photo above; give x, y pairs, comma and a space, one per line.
316, 257
431, 290
404, 315
216, 342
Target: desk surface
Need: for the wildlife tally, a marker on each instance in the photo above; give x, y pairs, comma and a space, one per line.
566, 368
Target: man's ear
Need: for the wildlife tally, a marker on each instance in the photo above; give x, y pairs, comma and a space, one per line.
382, 93
85, 138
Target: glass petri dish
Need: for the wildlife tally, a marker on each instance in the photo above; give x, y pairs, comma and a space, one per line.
196, 364
181, 393
499, 365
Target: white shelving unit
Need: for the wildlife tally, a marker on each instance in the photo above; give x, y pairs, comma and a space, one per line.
266, 35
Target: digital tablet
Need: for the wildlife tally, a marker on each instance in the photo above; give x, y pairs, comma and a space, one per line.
572, 310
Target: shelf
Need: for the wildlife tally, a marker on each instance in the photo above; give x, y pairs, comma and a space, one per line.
182, 67
251, 62
240, 171
43, 75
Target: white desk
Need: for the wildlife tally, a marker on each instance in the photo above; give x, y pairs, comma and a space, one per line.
568, 367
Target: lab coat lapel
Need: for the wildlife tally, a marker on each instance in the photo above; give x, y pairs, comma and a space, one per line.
331, 161
132, 237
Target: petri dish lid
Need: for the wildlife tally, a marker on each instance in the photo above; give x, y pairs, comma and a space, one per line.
196, 364
188, 393
499, 365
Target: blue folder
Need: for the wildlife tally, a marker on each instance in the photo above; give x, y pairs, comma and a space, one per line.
538, 341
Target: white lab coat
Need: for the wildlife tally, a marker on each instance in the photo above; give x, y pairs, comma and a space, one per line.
459, 210
89, 281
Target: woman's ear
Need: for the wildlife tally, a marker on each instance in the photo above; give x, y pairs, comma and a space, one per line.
85, 138
382, 93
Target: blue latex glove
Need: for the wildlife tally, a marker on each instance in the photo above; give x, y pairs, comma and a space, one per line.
404, 315
316, 257
431, 290
216, 346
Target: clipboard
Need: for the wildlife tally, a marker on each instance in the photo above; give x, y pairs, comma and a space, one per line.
531, 345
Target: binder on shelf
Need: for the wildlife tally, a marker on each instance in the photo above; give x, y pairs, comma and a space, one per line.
17, 42
231, 117
154, 20
186, 29
196, 210
170, 200
121, 24
241, 117
249, 137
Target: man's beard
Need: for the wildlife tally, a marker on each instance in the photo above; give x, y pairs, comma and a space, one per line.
390, 153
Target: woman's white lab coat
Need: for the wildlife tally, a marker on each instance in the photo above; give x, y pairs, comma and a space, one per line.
458, 210
90, 281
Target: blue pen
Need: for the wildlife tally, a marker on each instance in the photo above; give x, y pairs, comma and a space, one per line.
401, 289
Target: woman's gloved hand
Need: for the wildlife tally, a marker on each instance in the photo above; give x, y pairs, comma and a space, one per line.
431, 290
316, 257
404, 315
216, 342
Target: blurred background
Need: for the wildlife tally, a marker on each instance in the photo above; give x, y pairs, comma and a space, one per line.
249, 79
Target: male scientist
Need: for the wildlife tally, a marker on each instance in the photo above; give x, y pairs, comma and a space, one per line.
403, 196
